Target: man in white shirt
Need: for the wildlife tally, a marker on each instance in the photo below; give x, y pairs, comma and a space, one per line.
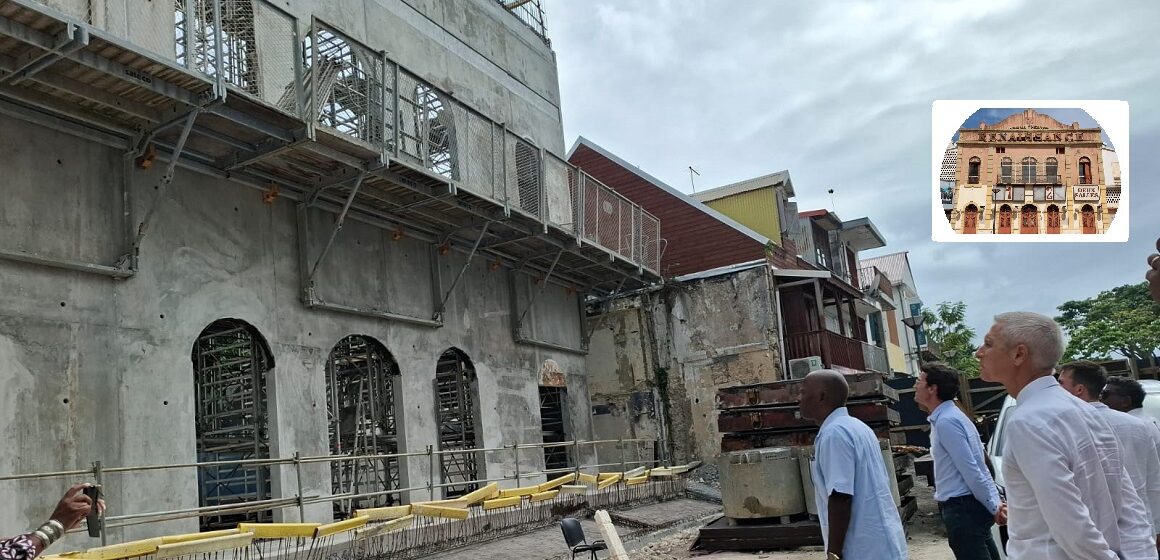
1068, 494
851, 488
1139, 440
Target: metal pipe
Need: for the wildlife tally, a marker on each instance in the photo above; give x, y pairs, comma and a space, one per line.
166, 179
219, 70
298, 478
316, 304
551, 269
431, 471
443, 304
337, 227
76, 266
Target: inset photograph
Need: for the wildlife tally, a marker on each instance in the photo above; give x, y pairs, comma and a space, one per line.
1030, 171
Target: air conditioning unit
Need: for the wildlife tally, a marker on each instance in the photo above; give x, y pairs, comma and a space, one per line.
801, 367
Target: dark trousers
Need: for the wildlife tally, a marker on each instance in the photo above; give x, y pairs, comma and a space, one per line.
968, 526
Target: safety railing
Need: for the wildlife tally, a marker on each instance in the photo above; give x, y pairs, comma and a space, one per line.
629, 453
354, 92
530, 13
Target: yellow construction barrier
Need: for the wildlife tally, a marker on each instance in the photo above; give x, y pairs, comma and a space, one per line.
556, 482
339, 526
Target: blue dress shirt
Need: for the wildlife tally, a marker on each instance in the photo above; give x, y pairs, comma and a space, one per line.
848, 459
959, 468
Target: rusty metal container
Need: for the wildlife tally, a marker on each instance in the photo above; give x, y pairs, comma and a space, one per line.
761, 483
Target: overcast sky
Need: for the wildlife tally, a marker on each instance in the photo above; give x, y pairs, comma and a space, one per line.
840, 94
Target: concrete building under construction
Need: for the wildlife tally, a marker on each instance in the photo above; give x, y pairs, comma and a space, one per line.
239, 229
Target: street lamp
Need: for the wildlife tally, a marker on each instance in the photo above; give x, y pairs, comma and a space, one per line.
914, 322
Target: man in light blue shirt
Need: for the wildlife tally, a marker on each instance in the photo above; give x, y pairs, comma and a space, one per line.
966, 494
851, 488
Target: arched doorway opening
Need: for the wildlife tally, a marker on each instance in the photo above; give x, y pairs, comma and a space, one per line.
1005, 219
230, 363
1029, 219
1053, 219
456, 396
971, 219
1088, 219
362, 411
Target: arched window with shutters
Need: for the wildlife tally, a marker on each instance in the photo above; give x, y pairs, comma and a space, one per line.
973, 171
1027, 171
1052, 170
1085, 171
1005, 170
230, 363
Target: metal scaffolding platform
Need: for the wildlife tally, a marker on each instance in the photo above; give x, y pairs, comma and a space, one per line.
318, 118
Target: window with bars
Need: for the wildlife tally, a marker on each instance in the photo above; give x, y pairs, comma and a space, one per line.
230, 363
361, 383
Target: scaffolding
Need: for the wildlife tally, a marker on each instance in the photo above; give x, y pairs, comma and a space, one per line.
531, 14
230, 365
553, 428
455, 400
361, 411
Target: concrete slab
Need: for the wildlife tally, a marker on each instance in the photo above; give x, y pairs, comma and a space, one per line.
664, 514
542, 543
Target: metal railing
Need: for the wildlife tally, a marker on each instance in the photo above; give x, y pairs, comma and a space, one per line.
875, 358
1029, 176
530, 13
833, 348
351, 91
632, 452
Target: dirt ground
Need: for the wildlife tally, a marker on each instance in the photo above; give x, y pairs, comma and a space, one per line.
925, 536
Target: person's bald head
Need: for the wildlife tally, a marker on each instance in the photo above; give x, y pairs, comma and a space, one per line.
823, 391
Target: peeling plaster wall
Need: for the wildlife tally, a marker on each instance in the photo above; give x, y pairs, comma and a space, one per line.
706, 335
99, 369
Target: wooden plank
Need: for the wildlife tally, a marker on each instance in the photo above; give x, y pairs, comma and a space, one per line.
605, 483
486, 493
204, 546
556, 482
339, 527
521, 491
585, 478
278, 530
497, 503
427, 510
862, 385
719, 535
544, 496
788, 417
174, 539
123, 550
633, 472
633, 481
381, 528
381, 513
574, 489
610, 537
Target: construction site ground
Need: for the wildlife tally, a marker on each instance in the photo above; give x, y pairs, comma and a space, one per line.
665, 531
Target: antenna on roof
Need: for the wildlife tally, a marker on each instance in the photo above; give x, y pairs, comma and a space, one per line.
691, 173
833, 204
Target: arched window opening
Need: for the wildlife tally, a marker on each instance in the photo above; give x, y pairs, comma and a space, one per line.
362, 411
973, 171
230, 362
456, 395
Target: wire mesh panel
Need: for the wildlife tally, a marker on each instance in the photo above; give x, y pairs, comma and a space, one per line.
524, 175
591, 210
346, 84
558, 196
531, 13
361, 411
627, 225
229, 366
479, 170
650, 249
196, 40
279, 60
428, 123
455, 398
608, 217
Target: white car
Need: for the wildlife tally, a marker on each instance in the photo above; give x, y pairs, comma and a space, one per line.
995, 445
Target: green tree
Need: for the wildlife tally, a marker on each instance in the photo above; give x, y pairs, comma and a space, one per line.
948, 337
1123, 321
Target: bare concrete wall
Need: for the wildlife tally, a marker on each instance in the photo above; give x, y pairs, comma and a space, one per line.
100, 369
703, 336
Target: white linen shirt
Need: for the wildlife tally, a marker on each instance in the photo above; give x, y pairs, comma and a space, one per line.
1068, 493
1138, 439
848, 459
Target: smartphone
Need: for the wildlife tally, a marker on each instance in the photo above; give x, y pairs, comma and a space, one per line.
94, 519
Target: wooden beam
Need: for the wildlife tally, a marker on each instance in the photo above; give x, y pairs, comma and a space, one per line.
610, 537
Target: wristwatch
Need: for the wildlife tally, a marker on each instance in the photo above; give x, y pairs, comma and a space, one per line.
833, 556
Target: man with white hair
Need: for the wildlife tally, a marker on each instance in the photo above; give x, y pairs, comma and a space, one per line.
1068, 493
851, 488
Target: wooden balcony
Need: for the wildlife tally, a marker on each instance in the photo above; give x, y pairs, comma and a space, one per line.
836, 350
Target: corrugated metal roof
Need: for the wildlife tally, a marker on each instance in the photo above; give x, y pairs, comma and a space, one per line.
771, 180
582, 141
894, 265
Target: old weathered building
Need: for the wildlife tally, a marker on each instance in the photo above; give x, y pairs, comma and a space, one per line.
239, 229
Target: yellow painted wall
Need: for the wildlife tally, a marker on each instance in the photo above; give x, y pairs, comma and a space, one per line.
756, 210
896, 356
